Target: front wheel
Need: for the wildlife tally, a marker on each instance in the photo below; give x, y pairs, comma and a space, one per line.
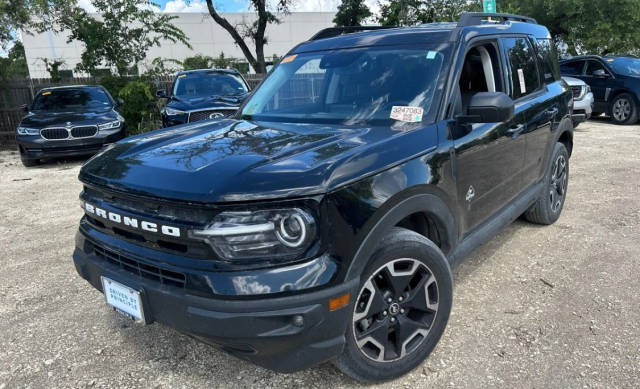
623, 109
401, 309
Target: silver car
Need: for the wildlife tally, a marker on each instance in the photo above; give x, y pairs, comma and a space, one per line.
582, 100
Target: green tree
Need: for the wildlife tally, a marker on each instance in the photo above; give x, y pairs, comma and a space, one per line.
198, 61
255, 31
14, 66
121, 36
412, 12
53, 68
351, 13
222, 62
586, 26
14, 15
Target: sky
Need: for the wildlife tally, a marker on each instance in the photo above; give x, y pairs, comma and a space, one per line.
242, 5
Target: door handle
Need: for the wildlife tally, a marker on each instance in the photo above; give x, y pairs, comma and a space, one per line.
515, 131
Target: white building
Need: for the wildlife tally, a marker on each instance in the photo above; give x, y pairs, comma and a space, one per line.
205, 36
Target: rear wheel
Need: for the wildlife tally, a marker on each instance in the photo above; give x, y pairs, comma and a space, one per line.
548, 207
401, 309
623, 109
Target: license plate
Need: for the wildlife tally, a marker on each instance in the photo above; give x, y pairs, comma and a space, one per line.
123, 299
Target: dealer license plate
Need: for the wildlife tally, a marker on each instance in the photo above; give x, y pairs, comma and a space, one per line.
123, 298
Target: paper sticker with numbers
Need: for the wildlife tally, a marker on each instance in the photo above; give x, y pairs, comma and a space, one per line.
406, 114
523, 87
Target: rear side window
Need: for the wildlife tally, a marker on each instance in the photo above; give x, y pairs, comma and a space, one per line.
523, 70
548, 60
573, 68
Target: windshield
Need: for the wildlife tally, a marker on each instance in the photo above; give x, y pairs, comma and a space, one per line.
625, 65
202, 84
375, 85
72, 99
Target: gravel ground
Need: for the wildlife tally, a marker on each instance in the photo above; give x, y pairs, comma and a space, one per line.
535, 307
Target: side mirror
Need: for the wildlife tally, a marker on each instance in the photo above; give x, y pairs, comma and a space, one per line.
161, 93
600, 73
487, 107
24, 108
119, 102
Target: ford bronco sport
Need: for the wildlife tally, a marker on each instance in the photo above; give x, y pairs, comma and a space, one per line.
321, 222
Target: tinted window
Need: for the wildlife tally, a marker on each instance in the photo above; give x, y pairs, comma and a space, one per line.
202, 84
548, 60
573, 68
592, 66
523, 69
351, 86
86, 99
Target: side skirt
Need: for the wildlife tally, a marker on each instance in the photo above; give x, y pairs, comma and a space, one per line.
493, 226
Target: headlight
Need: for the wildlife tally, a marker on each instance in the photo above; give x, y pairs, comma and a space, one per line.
173, 112
27, 131
109, 126
268, 234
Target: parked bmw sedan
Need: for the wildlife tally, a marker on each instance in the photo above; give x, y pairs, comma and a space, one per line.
203, 94
66, 121
582, 100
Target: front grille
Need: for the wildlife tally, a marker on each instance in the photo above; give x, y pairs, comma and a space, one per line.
204, 115
141, 269
55, 133
576, 90
84, 131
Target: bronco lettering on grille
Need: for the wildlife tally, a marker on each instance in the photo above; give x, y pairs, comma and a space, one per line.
131, 222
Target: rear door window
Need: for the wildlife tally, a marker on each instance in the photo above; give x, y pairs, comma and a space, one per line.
523, 71
548, 60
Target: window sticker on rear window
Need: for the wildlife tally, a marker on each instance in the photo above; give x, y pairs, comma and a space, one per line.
523, 86
406, 114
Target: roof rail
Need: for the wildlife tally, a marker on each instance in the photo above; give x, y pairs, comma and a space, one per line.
475, 18
336, 31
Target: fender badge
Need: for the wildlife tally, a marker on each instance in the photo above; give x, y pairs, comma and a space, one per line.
471, 193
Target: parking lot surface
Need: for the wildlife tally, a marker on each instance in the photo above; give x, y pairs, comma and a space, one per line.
555, 306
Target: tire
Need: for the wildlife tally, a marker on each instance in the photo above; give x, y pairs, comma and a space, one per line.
623, 109
30, 162
410, 324
548, 207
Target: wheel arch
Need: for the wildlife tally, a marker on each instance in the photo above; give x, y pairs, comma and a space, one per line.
565, 135
399, 211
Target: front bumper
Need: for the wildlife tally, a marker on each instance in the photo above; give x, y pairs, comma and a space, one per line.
36, 147
582, 109
264, 330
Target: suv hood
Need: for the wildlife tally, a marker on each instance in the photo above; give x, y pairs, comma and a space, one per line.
42, 119
237, 160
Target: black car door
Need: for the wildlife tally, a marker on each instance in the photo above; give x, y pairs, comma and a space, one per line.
600, 79
489, 157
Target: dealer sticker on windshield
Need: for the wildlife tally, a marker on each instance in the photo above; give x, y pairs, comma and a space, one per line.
406, 114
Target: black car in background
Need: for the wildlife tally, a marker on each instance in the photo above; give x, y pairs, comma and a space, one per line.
203, 94
614, 81
66, 121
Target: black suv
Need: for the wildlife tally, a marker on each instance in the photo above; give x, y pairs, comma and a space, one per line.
322, 221
203, 94
66, 121
614, 81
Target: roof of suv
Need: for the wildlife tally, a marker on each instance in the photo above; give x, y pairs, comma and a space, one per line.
464, 29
